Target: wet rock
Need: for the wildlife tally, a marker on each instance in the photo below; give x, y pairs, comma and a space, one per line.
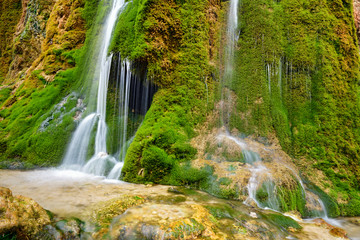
253, 215
334, 231
355, 221
70, 228
175, 190
21, 216
338, 232
12, 165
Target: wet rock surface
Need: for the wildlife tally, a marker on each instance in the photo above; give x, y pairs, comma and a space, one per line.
88, 207
21, 216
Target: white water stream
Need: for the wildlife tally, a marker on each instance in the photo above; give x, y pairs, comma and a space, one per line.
76, 155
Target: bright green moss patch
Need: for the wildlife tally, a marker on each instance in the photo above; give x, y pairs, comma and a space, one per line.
173, 39
106, 211
282, 221
292, 199
22, 133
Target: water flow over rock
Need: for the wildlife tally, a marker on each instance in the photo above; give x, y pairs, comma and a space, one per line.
76, 153
260, 177
130, 95
74, 158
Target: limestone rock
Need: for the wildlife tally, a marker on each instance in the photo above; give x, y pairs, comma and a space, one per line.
21, 215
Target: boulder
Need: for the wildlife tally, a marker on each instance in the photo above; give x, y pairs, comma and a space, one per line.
21, 216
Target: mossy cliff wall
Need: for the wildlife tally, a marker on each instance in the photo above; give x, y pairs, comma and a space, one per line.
178, 40
297, 75
47, 42
356, 4
9, 17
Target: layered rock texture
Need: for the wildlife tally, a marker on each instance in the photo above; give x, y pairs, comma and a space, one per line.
21, 216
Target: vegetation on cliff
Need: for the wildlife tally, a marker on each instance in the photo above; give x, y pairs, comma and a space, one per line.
36, 110
177, 41
296, 76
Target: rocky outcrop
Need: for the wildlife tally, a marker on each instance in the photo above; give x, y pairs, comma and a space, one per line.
20, 216
45, 30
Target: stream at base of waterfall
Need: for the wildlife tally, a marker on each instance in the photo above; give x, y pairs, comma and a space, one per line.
76, 194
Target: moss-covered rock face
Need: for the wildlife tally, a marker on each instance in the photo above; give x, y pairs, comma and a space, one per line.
177, 40
9, 16
37, 110
296, 72
356, 4
297, 68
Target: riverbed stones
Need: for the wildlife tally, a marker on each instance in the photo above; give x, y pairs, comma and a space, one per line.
21, 216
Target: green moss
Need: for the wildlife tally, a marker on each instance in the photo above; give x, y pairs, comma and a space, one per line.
292, 199
282, 221
25, 110
296, 74
4, 94
173, 39
225, 181
106, 211
351, 209
188, 176
221, 211
10, 13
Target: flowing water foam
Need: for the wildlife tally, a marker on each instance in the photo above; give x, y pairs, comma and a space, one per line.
75, 157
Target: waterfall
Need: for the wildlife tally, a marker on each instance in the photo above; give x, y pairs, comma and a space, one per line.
76, 153
232, 38
78, 148
227, 76
232, 34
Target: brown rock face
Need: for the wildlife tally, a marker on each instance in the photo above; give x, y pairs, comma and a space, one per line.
357, 17
20, 215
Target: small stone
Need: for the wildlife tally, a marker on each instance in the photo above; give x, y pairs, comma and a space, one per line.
338, 232
174, 190
253, 215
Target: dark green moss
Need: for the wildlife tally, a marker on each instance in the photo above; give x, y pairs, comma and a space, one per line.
221, 211
292, 199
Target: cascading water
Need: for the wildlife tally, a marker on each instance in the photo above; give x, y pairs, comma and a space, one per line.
133, 96
102, 163
77, 150
260, 176
259, 173
76, 154
232, 38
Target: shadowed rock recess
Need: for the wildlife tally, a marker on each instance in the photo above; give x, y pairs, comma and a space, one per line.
255, 102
